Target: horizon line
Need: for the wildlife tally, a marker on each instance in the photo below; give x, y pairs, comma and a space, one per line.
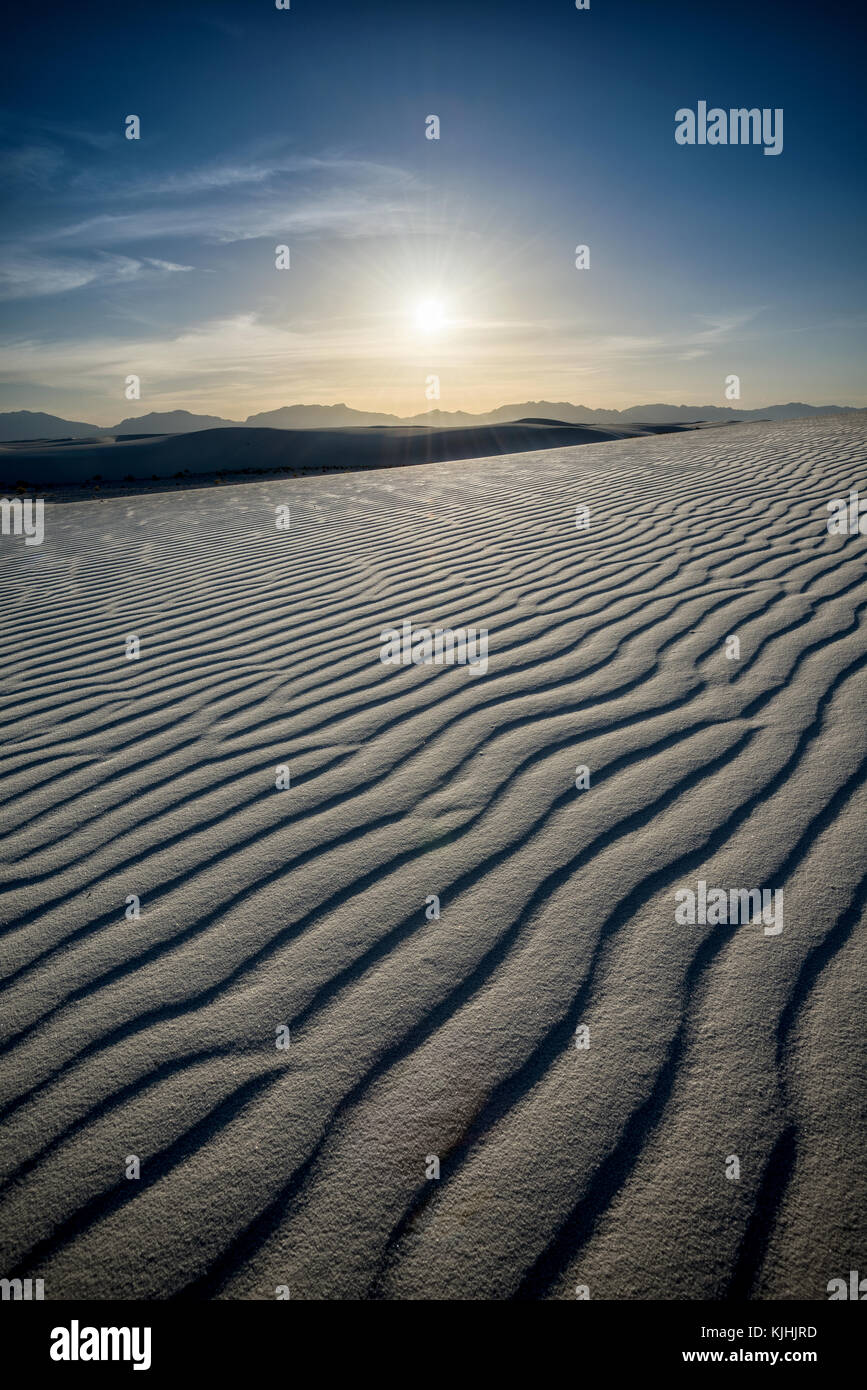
439, 411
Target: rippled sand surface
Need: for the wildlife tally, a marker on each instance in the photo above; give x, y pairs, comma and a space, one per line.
412, 1037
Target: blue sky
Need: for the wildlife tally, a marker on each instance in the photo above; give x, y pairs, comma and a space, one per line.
263, 127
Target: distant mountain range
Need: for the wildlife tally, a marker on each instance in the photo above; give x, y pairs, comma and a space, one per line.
27, 424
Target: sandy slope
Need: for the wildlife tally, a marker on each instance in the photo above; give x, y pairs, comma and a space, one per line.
410, 1037
243, 450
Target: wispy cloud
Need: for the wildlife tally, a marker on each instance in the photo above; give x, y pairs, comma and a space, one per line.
24, 127
32, 163
220, 176
31, 276
271, 194
337, 213
240, 202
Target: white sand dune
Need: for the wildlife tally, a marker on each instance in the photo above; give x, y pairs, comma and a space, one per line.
232, 451
410, 1037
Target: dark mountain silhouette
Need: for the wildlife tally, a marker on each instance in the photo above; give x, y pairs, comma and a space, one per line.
33, 424
26, 424
168, 422
312, 417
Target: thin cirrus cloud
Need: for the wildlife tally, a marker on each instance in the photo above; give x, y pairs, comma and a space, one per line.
241, 200
38, 164
337, 214
239, 172
32, 277
234, 201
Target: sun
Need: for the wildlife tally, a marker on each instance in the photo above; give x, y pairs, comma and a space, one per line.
429, 315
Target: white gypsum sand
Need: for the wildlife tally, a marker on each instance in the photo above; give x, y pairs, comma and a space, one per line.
413, 1036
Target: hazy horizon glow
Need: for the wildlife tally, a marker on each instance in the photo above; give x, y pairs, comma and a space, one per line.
411, 257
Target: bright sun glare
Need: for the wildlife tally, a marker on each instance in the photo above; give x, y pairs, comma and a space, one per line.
429, 315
